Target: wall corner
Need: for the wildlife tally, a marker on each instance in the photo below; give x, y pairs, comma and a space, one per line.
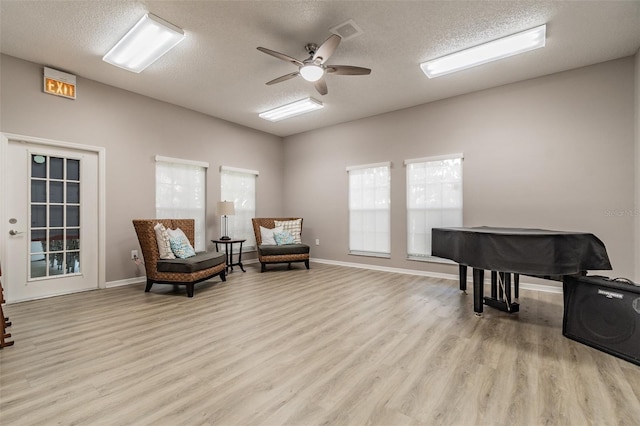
636, 181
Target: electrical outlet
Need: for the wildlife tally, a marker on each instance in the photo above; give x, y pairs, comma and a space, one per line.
317, 241
134, 254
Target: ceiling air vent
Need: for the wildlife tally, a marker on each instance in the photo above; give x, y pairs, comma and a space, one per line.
347, 30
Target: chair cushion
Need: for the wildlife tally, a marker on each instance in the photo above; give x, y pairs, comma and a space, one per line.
283, 250
202, 260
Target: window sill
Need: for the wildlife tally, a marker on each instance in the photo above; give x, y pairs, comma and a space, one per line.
370, 254
432, 259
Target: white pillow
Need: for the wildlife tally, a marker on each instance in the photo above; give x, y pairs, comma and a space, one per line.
176, 233
266, 235
162, 238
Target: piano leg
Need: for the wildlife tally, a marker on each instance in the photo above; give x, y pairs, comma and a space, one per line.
494, 285
462, 269
478, 290
516, 286
507, 288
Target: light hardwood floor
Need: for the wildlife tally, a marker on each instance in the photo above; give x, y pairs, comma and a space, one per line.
330, 345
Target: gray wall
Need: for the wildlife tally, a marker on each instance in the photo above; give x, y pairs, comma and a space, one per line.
555, 152
134, 129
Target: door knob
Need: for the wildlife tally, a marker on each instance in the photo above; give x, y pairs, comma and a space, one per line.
14, 232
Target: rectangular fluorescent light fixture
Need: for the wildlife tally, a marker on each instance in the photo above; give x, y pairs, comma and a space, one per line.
291, 110
147, 41
488, 52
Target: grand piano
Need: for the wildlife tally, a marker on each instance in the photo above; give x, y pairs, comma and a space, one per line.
506, 251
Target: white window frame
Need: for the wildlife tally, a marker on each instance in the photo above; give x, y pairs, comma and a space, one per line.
244, 200
186, 195
369, 210
432, 202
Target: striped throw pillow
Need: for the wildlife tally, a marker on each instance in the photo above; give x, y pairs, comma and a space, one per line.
294, 227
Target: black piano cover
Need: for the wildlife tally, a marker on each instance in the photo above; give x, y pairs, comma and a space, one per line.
523, 251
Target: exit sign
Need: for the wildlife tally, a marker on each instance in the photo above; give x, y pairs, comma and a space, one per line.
59, 83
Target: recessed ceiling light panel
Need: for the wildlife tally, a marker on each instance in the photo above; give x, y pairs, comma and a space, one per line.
291, 110
498, 49
144, 44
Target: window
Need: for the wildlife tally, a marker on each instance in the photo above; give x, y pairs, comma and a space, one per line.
239, 186
434, 199
55, 216
369, 209
181, 193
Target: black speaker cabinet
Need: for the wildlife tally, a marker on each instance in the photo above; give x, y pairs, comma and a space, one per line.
604, 314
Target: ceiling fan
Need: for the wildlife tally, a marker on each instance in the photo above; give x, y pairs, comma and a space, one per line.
314, 68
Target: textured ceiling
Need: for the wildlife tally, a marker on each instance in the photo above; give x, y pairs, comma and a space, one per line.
218, 71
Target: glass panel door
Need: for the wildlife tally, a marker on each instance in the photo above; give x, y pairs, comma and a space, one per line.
55, 216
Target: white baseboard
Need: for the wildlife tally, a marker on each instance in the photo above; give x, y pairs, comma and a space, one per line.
142, 279
523, 284
127, 281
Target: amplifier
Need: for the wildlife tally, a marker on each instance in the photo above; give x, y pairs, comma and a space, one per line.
604, 314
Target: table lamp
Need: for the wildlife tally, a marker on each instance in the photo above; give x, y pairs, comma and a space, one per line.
225, 209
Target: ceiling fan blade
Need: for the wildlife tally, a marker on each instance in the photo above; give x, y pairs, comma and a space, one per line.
283, 78
321, 86
279, 55
328, 47
347, 70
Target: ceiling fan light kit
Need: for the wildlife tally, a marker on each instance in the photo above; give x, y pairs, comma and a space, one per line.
314, 68
149, 39
312, 72
291, 110
501, 48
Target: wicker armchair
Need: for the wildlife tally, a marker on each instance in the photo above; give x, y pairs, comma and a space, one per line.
187, 272
278, 254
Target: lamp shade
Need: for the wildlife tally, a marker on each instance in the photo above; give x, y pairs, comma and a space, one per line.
225, 208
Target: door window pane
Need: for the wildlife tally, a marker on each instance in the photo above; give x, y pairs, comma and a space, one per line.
73, 169
56, 191
38, 191
38, 166
57, 168
38, 216
40, 238
73, 192
73, 239
56, 262
55, 239
73, 262
73, 215
55, 216
38, 266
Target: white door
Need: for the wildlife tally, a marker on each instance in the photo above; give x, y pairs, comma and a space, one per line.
52, 214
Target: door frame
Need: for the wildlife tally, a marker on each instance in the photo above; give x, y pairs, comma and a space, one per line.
4, 188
